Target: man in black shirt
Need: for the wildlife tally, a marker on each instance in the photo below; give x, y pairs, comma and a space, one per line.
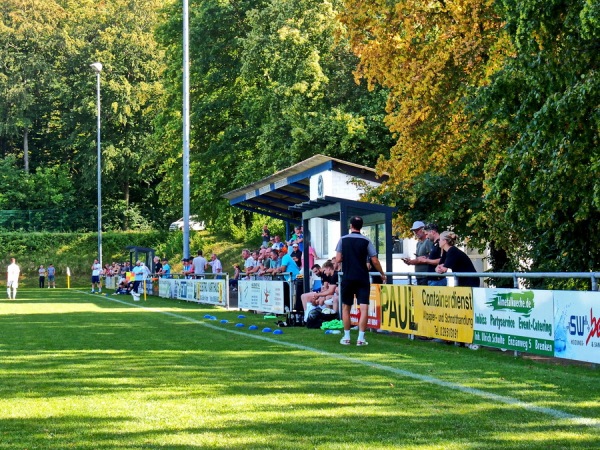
352, 253
433, 259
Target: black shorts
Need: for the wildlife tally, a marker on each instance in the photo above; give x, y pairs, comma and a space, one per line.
360, 289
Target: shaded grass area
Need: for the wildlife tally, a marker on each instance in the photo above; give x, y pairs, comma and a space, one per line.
84, 371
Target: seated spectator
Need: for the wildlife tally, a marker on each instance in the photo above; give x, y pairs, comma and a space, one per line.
264, 261
233, 281
125, 268
124, 287
274, 262
256, 264
288, 265
317, 277
248, 262
325, 297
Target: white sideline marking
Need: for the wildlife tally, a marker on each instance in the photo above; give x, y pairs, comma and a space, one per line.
577, 420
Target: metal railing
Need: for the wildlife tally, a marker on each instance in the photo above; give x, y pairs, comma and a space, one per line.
515, 276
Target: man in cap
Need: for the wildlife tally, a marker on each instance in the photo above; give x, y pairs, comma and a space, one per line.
296, 254
424, 246
187, 268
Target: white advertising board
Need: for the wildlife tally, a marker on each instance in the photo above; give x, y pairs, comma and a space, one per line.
577, 325
200, 291
261, 295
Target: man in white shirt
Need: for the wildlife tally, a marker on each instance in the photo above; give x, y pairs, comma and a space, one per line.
12, 278
200, 264
248, 262
96, 268
215, 263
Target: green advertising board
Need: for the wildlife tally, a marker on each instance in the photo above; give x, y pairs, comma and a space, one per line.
514, 319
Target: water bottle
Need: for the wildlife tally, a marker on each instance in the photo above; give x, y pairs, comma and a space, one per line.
333, 332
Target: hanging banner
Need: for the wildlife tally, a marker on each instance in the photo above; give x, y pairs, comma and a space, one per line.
515, 319
577, 325
262, 295
397, 308
443, 312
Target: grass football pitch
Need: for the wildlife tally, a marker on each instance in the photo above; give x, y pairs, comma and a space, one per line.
89, 371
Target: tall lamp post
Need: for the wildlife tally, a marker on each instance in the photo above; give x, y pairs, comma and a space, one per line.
97, 67
186, 132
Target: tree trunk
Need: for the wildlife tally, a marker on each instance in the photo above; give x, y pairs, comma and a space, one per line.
126, 194
26, 150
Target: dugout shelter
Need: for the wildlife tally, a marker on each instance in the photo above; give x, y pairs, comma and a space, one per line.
321, 194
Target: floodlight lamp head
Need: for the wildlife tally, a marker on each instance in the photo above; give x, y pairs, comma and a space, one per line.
97, 67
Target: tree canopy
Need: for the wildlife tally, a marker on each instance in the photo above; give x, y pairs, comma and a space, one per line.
484, 114
495, 109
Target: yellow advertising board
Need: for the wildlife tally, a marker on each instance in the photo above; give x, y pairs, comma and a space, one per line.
444, 312
397, 308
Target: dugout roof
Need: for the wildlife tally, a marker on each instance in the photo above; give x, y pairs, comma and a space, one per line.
275, 195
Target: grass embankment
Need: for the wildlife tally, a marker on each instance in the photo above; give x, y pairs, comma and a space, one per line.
88, 371
78, 250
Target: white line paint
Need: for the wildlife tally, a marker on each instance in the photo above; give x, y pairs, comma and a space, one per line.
577, 420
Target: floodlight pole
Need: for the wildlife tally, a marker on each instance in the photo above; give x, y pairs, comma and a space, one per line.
186, 132
97, 67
